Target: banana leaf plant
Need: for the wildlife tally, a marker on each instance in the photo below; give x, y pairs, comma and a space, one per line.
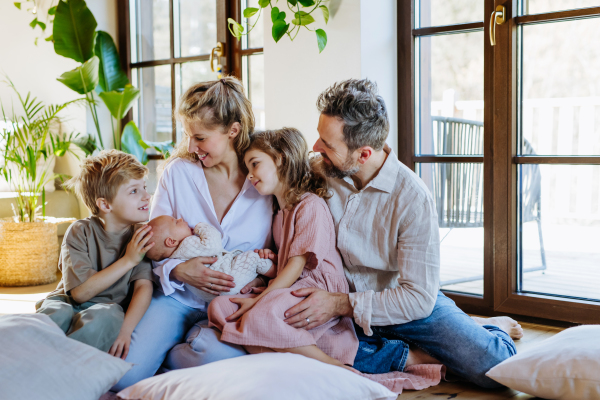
27, 148
99, 77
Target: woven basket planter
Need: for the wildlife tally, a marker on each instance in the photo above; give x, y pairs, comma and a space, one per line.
28, 252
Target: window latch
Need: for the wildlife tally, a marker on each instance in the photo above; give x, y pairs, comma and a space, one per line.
498, 18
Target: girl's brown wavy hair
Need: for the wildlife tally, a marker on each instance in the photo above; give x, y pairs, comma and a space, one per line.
298, 171
215, 104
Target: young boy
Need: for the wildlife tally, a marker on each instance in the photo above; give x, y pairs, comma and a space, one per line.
103, 256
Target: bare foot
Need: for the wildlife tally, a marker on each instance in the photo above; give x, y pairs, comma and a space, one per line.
507, 324
418, 356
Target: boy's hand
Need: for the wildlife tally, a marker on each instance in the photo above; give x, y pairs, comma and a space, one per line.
245, 303
120, 347
136, 249
268, 254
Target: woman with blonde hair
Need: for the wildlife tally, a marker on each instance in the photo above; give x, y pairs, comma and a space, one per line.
203, 181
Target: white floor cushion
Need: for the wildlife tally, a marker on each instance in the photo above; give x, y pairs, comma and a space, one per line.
37, 361
566, 366
261, 377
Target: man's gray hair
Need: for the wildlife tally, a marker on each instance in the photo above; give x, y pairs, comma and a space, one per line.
356, 102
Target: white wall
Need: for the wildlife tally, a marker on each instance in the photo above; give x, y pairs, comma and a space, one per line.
361, 43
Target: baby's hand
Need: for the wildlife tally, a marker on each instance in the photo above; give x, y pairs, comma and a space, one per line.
120, 347
268, 254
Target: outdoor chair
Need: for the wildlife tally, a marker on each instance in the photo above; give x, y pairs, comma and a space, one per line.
457, 188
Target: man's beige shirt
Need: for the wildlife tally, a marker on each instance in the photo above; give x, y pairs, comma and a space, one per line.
388, 236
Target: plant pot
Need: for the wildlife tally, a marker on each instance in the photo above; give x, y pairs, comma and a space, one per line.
29, 251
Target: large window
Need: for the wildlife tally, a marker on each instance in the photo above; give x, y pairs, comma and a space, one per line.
507, 138
166, 45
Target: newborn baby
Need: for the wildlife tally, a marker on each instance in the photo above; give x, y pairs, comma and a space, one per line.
173, 238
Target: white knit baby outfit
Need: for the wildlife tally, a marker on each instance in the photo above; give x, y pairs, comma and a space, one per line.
243, 266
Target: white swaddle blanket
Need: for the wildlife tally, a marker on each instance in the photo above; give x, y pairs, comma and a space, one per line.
243, 266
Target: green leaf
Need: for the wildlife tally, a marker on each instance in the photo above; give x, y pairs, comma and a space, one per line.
321, 39
307, 3
274, 14
303, 19
42, 25
263, 3
84, 78
130, 142
325, 13
74, 30
250, 11
33, 23
293, 2
111, 76
164, 148
52, 10
119, 102
279, 29
18, 5
49, 39
235, 28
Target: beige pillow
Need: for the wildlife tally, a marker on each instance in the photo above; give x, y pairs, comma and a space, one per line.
566, 366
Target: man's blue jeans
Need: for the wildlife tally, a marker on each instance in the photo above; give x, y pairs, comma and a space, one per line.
448, 334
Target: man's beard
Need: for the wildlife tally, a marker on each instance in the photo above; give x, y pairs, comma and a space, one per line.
349, 168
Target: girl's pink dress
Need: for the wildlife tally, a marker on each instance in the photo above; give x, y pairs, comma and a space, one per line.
306, 229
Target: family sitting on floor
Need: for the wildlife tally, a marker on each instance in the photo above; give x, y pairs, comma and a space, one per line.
334, 257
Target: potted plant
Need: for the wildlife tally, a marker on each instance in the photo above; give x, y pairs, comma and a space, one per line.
28, 241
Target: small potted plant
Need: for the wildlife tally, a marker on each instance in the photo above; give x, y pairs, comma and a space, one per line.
28, 241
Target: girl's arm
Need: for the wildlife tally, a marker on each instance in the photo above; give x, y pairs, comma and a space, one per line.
140, 300
284, 279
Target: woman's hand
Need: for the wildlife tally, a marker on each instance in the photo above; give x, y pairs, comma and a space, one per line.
245, 303
194, 273
257, 285
120, 347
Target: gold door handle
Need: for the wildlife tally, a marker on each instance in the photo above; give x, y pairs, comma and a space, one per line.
498, 18
219, 51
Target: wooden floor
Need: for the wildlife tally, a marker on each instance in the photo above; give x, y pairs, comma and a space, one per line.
22, 300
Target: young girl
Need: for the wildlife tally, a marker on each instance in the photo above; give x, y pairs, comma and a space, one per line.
304, 234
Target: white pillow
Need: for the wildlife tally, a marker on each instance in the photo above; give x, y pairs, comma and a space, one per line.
37, 361
259, 377
565, 366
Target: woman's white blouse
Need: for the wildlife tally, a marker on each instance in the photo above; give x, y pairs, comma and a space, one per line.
183, 192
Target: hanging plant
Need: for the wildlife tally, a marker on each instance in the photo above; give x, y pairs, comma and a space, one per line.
301, 17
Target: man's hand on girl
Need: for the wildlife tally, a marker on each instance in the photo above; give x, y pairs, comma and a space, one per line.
245, 303
317, 308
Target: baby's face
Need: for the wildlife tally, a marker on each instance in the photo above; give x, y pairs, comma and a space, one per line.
176, 229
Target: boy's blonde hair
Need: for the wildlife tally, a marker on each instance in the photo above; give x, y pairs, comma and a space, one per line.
298, 172
100, 176
217, 103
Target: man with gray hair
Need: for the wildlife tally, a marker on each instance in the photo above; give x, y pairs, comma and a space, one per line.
388, 236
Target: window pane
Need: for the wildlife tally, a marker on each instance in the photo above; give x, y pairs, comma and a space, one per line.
197, 26
255, 38
561, 88
457, 190
153, 114
449, 12
450, 94
195, 72
544, 6
560, 227
253, 71
150, 30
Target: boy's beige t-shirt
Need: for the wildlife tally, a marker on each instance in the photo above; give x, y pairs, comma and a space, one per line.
86, 249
